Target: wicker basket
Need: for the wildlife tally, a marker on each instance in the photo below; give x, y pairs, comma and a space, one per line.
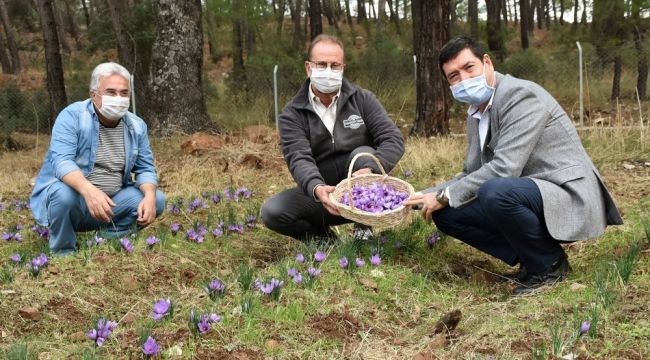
378, 221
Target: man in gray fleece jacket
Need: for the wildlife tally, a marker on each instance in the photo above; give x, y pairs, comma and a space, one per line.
328, 122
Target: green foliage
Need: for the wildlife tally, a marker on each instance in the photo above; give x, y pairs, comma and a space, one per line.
527, 64
7, 275
23, 111
384, 64
625, 265
18, 351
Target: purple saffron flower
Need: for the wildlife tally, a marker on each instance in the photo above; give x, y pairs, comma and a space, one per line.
584, 328
319, 256
360, 262
292, 272
343, 262
7, 236
251, 220
92, 334
300, 258
297, 279
175, 228
150, 347
161, 309
215, 289
214, 318
204, 327
101, 332
433, 239
375, 260
126, 245
313, 272
216, 198
236, 228
19, 227
174, 209
152, 240
16, 258
408, 173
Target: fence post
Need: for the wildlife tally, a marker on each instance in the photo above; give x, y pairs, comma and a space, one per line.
582, 110
131, 86
275, 94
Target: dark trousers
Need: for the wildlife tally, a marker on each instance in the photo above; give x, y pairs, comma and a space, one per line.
507, 222
296, 214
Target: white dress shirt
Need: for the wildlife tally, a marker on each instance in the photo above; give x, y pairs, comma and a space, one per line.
327, 114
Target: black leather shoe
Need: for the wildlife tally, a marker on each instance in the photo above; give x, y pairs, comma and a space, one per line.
557, 272
517, 277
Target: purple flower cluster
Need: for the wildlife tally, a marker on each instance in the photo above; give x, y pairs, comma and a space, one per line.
313, 272
271, 288
215, 289
359, 262
161, 308
375, 260
173, 209
237, 194
433, 239
320, 256
103, 330
197, 234
408, 173
16, 258
295, 275
375, 198
126, 245
8, 236
203, 323
196, 204
20, 205
41, 231
37, 263
250, 221
150, 347
175, 228
300, 258
343, 262
152, 240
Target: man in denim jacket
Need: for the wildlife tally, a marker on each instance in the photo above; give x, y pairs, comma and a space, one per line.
86, 181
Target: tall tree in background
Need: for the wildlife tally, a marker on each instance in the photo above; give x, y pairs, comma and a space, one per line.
11, 39
430, 32
328, 9
394, 16
177, 103
494, 38
4, 58
639, 35
58, 18
472, 17
361, 11
575, 13
295, 7
54, 66
315, 19
348, 14
86, 14
608, 32
523, 25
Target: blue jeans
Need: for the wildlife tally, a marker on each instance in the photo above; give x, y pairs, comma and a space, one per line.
67, 213
505, 221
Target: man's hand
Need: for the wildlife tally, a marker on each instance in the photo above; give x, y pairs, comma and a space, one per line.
99, 204
147, 207
427, 202
147, 210
322, 192
362, 172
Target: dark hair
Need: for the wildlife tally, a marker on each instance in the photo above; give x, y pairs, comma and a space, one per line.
326, 38
454, 46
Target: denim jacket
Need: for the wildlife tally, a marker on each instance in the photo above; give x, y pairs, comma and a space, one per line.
75, 137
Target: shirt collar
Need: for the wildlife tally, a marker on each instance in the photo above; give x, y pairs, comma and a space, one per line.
474, 112
313, 98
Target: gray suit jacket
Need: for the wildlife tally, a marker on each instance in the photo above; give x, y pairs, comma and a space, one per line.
531, 136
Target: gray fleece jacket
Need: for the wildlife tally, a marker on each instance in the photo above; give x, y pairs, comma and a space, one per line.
315, 156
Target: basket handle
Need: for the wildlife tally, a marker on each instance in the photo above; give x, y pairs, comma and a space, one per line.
354, 159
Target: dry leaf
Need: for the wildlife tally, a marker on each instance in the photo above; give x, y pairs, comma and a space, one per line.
30, 313
448, 322
369, 283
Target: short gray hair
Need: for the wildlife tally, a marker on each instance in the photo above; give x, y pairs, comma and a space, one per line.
107, 69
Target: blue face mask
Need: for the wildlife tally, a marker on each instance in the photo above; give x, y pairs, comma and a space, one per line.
473, 91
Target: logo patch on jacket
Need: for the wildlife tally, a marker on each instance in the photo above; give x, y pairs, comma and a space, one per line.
353, 122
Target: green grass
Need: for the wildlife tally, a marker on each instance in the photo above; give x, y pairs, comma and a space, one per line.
383, 312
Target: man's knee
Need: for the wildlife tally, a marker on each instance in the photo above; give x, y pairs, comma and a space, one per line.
160, 202
270, 212
62, 196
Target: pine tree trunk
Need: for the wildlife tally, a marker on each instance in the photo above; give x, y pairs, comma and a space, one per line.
514, 7
86, 15
315, 19
504, 10
213, 47
65, 46
495, 42
532, 4
11, 39
575, 13
431, 22
328, 9
295, 7
361, 11
616, 81
472, 14
561, 12
54, 66
523, 25
348, 13
639, 35
177, 103
71, 24
394, 16
4, 58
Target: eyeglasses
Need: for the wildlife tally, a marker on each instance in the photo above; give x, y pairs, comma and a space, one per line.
113, 92
322, 65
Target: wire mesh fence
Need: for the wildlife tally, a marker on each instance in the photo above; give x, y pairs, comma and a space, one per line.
612, 79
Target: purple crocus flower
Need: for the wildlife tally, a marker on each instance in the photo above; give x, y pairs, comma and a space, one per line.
360, 262
92, 334
101, 332
150, 347
251, 220
313, 272
408, 173
343, 262
152, 240
16, 258
375, 260
7, 236
175, 228
433, 239
174, 209
214, 318
297, 278
215, 288
216, 198
319, 256
584, 327
292, 272
126, 245
161, 309
236, 228
267, 289
300, 258
204, 327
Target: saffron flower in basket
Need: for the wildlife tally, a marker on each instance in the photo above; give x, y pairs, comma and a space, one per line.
375, 198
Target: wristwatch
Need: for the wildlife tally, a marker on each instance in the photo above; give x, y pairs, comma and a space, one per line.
442, 198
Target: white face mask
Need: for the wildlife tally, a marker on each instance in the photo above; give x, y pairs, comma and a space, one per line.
114, 107
326, 80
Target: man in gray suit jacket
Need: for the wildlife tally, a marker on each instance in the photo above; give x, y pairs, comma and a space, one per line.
527, 182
